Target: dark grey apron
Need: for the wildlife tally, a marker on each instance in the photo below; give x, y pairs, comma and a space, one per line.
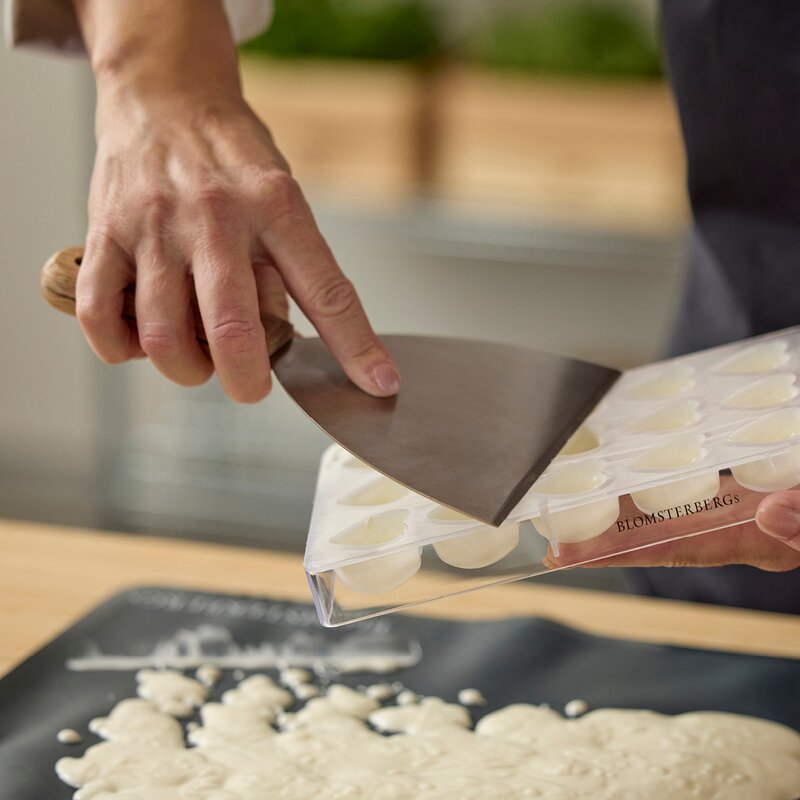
735, 70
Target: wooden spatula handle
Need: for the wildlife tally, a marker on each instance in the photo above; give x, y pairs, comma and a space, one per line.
60, 274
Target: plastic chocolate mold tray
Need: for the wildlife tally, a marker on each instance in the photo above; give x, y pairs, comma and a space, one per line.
675, 449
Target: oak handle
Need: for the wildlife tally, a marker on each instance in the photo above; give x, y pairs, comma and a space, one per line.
60, 274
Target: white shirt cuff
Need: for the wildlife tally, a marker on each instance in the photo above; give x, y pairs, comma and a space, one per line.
52, 24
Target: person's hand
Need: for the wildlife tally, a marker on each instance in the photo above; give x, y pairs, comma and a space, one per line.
779, 517
771, 542
189, 189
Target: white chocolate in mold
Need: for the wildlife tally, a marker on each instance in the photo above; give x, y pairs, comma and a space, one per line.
774, 390
382, 492
672, 417
482, 547
328, 749
678, 453
382, 573
758, 358
777, 472
582, 522
671, 382
349, 460
584, 440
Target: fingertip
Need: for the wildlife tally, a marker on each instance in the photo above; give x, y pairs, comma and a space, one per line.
253, 392
198, 377
779, 516
384, 380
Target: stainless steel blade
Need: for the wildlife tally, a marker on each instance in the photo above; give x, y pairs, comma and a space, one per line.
474, 424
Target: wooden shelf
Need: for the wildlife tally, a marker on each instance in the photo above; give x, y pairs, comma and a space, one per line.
587, 153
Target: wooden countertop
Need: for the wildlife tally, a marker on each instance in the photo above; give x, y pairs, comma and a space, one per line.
51, 576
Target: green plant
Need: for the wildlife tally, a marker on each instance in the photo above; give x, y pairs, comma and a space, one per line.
569, 38
397, 30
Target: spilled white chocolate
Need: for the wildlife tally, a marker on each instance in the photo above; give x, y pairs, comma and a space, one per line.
407, 697
429, 714
471, 697
294, 676
171, 691
575, 708
328, 749
305, 691
208, 675
380, 691
259, 691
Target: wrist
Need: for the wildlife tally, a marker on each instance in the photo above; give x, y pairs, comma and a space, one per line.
152, 48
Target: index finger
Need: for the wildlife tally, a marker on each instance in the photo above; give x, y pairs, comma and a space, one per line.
325, 295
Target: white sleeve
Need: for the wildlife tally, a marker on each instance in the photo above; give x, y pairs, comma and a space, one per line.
52, 24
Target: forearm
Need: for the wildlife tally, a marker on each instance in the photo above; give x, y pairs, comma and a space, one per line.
159, 49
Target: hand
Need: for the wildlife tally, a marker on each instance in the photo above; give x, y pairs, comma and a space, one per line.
189, 188
771, 542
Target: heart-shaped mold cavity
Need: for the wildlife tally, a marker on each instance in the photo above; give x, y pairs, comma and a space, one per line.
681, 492
351, 462
669, 382
757, 358
679, 452
445, 514
584, 440
377, 529
575, 479
478, 548
581, 523
779, 426
773, 473
773, 390
378, 493
672, 417
382, 573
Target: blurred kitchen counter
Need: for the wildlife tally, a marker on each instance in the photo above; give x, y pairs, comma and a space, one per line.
50, 576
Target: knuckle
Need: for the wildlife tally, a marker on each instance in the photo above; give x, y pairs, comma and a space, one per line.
280, 193
235, 333
160, 340
280, 306
89, 311
156, 206
361, 348
214, 203
334, 298
103, 232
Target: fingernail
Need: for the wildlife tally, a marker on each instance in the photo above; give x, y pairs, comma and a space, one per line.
385, 377
779, 520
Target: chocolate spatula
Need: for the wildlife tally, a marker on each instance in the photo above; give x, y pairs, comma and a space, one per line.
474, 423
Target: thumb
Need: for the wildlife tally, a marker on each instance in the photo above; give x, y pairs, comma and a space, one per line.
779, 516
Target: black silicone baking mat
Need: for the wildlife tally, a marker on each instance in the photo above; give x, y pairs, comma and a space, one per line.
513, 660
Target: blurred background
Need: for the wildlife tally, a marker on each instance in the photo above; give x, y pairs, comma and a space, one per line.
509, 170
